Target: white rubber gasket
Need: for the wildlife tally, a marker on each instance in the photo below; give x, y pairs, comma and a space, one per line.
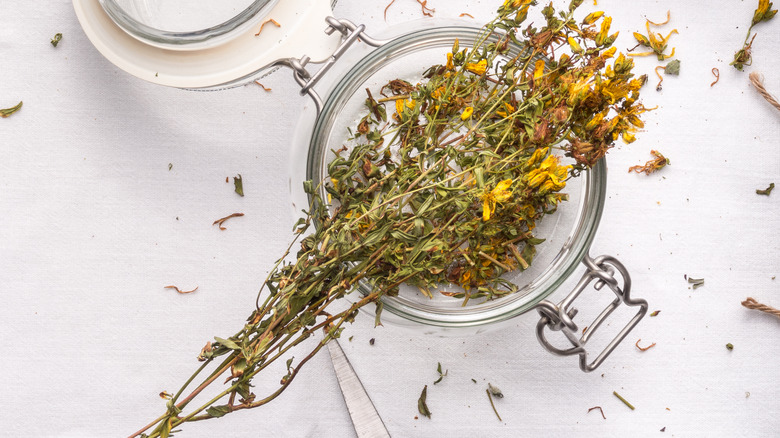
301, 32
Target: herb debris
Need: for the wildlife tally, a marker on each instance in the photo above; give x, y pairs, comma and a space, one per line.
421, 405
600, 410
767, 190
623, 400
490, 397
182, 291
8, 111
222, 220
238, 183
645, 348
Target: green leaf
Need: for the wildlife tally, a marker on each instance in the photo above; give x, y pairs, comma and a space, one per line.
218, 411
227, 343
379, 307
673, 67
767, 190
56, 39
238, 182
421, 405
8, 111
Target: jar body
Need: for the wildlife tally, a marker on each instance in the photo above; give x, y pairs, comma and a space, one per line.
569, 232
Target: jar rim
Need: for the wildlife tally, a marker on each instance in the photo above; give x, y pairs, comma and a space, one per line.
181, 39
560, 268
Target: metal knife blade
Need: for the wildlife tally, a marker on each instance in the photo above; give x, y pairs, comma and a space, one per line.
365, 418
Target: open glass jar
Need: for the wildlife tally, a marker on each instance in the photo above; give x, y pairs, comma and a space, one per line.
350, 67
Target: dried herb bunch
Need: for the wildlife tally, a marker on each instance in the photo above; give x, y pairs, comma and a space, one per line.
442, 182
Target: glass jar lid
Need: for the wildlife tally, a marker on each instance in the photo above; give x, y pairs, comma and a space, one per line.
568, 232
180, 23
153, 41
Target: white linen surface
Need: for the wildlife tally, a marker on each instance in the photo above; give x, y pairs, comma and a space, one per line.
94, 225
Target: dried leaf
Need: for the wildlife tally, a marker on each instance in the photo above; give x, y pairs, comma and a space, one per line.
421, 405
8, 111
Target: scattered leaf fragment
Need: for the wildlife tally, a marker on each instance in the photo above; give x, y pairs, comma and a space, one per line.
441, 375
655, 313
371, 341
653, 165
696, 282
262, 86
495, 391
663, 429
181, 291
600, 410
645, 348
767, 190
56, 39
668, 17
170, 166
729, 346
715, 72
474, 381
466, 15
490, 397
623, 400
421, 405
222, 220
8, 111
428, 12
673, 67
388, 7
238, 182
270, 20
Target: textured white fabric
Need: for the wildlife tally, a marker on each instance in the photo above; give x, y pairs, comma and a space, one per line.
94, 224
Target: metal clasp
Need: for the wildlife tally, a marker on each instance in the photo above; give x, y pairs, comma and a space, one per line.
559, 317
350, 33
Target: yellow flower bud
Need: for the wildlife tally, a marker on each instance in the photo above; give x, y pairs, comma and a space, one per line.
592, 17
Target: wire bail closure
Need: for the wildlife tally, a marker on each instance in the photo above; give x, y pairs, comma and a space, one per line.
559, 317
350, 33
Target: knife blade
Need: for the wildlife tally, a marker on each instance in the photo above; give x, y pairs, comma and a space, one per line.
365, 418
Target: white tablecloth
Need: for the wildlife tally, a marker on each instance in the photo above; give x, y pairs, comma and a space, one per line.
93, 225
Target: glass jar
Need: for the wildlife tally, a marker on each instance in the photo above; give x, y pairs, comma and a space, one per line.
349, 68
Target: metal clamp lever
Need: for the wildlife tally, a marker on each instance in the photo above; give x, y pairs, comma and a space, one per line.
351, 33
560, 317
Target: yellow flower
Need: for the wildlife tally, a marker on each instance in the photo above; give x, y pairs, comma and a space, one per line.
449, 65
508, 109
538, 69
550, 176
578, 91
399, 105
538, 156
466, 113
603, 34
592, 18
575, 46
654, 41
500, 193
762, 12
478, 68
